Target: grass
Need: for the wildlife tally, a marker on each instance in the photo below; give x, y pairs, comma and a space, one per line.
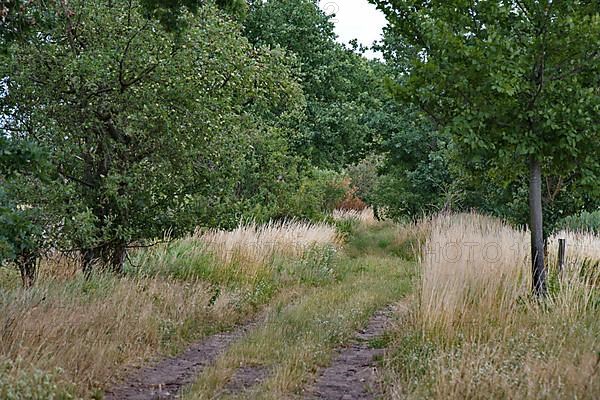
474, 331
89, 328
365, 216
300, 337
385, 239
250, 255
72, 337
471, 331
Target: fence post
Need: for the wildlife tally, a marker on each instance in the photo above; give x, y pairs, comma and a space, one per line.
562, 247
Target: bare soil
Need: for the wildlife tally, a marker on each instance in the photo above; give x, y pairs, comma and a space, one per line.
165, 379
351, 376
353, 373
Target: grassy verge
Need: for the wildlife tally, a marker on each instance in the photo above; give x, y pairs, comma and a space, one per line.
87, 329
71, 337
474, 332
300, 337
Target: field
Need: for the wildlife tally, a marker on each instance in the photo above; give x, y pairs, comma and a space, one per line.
463, 325
475, 332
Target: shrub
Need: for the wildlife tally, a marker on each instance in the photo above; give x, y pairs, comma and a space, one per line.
17, 383
319, 193
583, 222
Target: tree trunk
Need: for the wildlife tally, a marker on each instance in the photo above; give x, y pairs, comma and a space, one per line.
118, 258
537, 228
90, 257
27, 263
376, 213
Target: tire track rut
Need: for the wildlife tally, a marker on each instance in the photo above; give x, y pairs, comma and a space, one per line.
353, 373
165, 379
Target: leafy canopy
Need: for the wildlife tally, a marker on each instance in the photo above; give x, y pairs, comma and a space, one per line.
341, 87
146, 129
509, 79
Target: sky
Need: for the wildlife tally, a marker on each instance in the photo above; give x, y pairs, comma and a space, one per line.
355, 19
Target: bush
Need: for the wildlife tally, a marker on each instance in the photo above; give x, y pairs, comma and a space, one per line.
583, 222
320, 193
20, 384
364, 177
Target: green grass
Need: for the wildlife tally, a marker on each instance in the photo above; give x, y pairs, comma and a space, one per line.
17, 383
301, 336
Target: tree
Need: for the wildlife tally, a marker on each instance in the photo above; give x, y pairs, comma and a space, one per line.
17, 17
171, 13
415, 174
512, 81
147, 129
339, 85
20, 236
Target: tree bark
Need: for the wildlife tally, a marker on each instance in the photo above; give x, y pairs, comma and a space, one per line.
376, 213
537, 228
27, 263
118, 258
90, 257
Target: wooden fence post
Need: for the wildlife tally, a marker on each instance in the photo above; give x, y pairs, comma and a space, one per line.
562, 247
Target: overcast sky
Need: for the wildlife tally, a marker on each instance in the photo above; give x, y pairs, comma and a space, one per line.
355, 19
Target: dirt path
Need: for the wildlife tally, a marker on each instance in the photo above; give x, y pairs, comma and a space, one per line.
166, 378
352, 375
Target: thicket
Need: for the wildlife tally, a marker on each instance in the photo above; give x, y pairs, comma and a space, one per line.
123, 120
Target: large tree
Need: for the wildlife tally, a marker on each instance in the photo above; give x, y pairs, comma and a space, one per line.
18, 17
340, 86
515, 82
147, 129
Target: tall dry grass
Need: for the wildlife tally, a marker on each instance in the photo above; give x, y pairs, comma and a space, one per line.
477, 333
250, 253
582, 247
93, 329
474, 268
365, 216
258, 244
477, 268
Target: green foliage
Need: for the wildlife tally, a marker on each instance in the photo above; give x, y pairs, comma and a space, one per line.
494, 77
341, 87
533, 104
582, 222
411, 174
364, 177
20, 17
319, 193
20, 384
498, 191
147, 129
416, 177
171, 13
18, 231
